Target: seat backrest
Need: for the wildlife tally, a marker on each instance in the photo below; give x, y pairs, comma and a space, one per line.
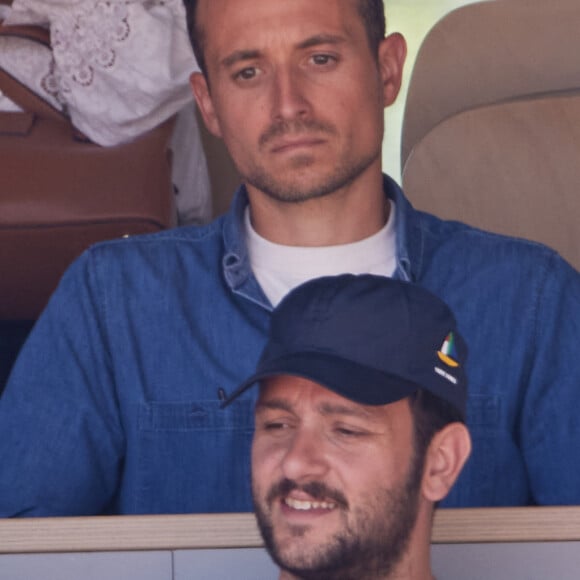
491, 130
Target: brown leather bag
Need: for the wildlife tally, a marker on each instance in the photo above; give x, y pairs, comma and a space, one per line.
60, 193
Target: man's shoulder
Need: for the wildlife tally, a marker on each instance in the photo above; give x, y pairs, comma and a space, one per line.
160, 245
179, 256
493, 277
469, 242
432, 240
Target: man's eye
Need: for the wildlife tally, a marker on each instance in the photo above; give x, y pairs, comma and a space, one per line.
275, 426
346, 432
246, 74
323, 59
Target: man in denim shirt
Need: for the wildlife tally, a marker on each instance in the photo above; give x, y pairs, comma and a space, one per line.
114, 403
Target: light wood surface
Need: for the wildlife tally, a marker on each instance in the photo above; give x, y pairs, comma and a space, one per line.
183, 532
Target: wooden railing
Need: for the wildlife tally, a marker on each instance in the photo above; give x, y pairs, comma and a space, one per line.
185, 532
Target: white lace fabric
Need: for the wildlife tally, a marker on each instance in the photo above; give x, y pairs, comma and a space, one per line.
117, 68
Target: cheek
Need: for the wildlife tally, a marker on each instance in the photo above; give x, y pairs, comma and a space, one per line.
369, 467
241, 120
241, 141
361, 480
359, 117
265, 459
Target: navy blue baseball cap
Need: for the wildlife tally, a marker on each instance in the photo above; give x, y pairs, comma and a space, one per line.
371, 339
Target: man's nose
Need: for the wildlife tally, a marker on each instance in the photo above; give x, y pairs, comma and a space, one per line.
289, 100
304, 457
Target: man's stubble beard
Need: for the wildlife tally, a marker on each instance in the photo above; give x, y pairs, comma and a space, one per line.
369, 547
302, 180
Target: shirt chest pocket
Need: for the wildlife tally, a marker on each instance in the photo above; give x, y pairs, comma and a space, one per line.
194, 457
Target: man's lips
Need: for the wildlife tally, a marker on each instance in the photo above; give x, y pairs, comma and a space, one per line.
312, 498
286, 145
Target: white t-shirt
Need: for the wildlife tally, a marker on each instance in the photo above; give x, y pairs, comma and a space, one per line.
280, 268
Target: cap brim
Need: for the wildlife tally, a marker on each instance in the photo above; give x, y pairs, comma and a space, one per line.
349, 379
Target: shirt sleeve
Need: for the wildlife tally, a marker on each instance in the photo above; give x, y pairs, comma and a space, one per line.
61, 443
550, 417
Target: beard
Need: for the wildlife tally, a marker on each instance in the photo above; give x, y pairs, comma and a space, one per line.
371, 543
304, 178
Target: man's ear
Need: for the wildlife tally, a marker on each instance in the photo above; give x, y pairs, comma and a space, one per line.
204, 101
392, 54
446, 456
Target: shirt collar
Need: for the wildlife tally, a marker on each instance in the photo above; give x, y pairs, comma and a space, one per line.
235, 260
407, 242
236, 264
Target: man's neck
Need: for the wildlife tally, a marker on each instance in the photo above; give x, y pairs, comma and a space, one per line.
349, 215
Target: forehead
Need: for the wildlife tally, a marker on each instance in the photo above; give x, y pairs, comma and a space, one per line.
301, 396
243, 24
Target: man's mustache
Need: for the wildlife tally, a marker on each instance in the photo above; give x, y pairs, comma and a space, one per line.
315, 489
295, 127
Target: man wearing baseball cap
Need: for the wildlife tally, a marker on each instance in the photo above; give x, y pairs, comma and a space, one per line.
359, 428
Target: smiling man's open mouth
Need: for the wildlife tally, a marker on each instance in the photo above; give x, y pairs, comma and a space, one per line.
306, 505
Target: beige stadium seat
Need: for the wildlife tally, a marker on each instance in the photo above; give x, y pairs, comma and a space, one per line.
491, 130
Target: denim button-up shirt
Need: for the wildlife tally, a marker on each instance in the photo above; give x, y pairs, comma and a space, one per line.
114, 403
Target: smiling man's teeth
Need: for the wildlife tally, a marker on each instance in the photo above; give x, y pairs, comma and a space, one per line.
308, 505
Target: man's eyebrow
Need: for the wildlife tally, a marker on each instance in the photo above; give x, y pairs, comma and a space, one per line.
240, 56
274, 405
319, 39
349, 410
316, 40
325, 409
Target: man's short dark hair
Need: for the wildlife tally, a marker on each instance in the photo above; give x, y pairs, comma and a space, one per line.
196, 35
372, 13
430, 415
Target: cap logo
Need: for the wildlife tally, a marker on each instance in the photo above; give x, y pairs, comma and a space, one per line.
447, 353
